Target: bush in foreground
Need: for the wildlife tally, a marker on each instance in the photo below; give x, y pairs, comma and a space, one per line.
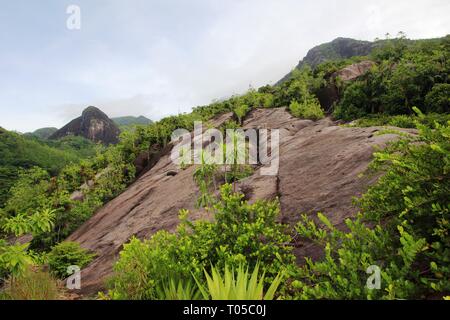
403, 229
308, 109
31, 285
67, 254
242, 234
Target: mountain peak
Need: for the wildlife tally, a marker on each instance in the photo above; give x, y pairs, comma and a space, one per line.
93, 110
93, 124
339, 48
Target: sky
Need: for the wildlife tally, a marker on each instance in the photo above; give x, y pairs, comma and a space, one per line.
162, 57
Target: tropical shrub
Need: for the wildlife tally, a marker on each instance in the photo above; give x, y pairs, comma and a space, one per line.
308, 109
29, 193
353, 103
342, 272
438, 99
238, 172
181, 290
403, 229
242, 233
406, 74
402, 121
205, 177
67, 254
241, 111
237, 284
15, 258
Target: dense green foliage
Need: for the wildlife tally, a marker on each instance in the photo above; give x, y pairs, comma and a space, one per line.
242, 233
406, 74
237, 285
301, 86
402, 121
402, 229
15, 259
24, 152
49, 188
43, 133
309, 109
176, 290
67, 254
52, 184
103, 177
438, 99
303, 103
408, 232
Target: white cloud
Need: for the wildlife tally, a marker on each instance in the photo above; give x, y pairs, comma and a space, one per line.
137, 105
157, 58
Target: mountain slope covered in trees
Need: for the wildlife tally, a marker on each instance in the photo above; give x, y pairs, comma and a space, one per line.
130, 121
44, 133
20, 152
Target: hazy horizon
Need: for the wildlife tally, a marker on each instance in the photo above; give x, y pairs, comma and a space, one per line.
156, 58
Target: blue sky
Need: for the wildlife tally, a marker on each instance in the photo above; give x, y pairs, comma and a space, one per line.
156, 58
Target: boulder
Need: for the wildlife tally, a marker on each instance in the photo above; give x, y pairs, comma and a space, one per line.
353, 71
330, 95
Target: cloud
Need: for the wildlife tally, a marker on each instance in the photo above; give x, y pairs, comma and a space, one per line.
137, 105
158, 58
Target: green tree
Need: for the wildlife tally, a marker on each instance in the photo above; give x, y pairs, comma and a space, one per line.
67, 254
438, 99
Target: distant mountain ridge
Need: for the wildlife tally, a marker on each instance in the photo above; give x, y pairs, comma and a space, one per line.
130, 120
93, 124
43, 133
47, 132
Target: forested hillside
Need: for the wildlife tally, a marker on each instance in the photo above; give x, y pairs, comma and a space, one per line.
131, 121
43, 133
21, 152
403, 224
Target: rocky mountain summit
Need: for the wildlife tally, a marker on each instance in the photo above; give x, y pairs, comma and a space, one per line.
93, 124
339, 48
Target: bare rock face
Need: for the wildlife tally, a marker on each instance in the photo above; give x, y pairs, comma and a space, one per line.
93, 125
320, 167
354, 71
339, 48
329, 95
